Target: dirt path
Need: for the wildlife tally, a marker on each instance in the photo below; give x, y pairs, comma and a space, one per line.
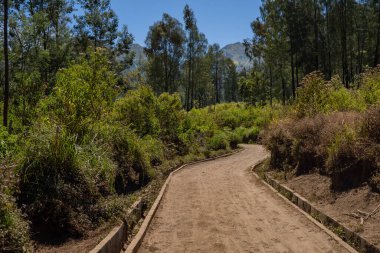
218, 206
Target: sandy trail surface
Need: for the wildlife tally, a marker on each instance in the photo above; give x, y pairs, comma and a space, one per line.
219, 206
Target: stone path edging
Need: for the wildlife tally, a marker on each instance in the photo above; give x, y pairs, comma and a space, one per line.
136, 242
114, 241
328, 224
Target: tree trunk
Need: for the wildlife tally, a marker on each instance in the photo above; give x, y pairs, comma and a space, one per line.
271, 86
316, 39
6, 67
293, 77
377, 50
329, 66
344, 43
283, 88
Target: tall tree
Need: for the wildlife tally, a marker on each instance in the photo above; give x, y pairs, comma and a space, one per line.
230, 82
164, 49
377, 48
216, 56
6, 64
97, 26
191, 34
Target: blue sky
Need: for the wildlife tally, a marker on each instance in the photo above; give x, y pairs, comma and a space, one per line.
222, 21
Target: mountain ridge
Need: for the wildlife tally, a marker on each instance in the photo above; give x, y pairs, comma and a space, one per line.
234, 51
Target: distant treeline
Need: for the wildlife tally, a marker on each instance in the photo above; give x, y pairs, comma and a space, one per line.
293, 38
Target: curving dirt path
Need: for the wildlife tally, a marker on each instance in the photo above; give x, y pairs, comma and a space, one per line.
218, 206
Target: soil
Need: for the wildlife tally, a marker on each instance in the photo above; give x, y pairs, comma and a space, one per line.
75, 246
219, 206
316, 189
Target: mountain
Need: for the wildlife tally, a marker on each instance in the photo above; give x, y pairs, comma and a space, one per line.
236, 52
140, 56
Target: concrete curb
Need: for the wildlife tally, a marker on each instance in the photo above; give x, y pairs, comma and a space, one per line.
137, 240
115, 240
348, 238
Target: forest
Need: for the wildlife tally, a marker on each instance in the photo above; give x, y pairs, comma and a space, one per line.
82, 133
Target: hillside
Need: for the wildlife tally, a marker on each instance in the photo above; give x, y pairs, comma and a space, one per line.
236, 53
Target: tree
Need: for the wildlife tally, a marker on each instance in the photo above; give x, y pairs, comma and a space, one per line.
164, 49
97, 27
216, 56
6, 64
124, 55
230, 82
196, 45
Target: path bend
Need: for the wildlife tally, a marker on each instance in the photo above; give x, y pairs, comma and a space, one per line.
219, 206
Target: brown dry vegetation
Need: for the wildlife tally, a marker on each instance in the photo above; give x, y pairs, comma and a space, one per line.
342, 143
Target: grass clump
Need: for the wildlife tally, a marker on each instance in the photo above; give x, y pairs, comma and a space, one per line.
55, 191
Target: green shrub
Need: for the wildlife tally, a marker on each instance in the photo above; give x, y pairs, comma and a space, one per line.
218, 141
156, 150
370, 86
95, 160
233, 140
170, 115
343, 99
129, 153
14, 229
312, 96
56, 192
7, 143
82, 93
350, 160
137, 110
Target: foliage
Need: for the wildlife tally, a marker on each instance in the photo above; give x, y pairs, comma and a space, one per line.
83, 93
343, 145
137, 109
164, 51
14, 230
8, 143
312, 97
370, 86
56, 191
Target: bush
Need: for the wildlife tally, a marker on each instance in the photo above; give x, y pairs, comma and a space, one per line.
247, 135
170, 115
137, 110
82, 93
128, 151
56, 191
371, 124
279, 141
350, 161
307, 139
218, 141
370, 86
7, 143
14, 230
233, 140
342, 99
302, 143
312, 96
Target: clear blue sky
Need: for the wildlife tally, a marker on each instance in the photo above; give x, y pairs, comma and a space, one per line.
222, 21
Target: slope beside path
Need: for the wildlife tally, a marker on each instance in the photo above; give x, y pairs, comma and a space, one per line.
219, 206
